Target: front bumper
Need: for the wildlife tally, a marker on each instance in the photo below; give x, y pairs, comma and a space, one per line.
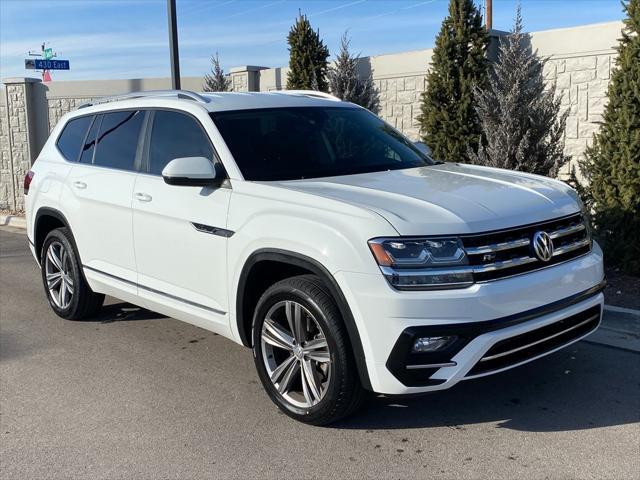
490, 319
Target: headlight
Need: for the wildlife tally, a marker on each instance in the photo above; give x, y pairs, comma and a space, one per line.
422, 263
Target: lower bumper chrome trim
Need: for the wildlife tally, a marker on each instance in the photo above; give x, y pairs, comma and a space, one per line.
546, 339
431, 365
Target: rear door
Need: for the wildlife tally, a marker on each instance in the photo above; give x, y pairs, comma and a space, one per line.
100, 188
180, 232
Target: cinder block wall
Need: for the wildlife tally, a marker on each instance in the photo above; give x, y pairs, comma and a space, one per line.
580, 62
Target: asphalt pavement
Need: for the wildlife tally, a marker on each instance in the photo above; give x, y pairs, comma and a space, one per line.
131, 394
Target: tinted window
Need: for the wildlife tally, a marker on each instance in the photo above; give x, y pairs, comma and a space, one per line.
90, 142
72, 136
176, 135
309, 142
118, 140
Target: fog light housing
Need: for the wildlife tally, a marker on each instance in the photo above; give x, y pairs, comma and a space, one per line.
431, 344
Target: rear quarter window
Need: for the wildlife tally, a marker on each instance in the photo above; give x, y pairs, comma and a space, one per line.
71, 139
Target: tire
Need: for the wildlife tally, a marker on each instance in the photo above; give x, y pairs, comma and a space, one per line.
314, 351
68, 293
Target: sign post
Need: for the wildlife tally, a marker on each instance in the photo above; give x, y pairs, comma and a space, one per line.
173, 45
46, 62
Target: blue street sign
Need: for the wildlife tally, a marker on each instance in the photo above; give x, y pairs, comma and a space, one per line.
42, 64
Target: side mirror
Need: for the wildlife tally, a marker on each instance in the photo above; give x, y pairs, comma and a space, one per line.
190, 172
423, 147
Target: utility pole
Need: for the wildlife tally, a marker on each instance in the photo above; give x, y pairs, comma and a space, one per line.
173, 44
488, 15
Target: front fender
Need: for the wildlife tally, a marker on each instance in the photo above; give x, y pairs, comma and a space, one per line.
323, 236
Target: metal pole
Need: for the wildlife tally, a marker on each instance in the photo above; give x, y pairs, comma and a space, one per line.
488, 15
173, 44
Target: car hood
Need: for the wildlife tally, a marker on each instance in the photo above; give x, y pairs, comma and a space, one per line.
448, 198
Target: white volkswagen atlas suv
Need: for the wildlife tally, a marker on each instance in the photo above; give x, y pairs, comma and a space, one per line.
314, 233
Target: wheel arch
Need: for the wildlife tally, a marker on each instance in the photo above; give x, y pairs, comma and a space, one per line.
47, 219
297, 263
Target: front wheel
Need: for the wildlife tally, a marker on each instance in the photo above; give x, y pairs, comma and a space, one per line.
302, 352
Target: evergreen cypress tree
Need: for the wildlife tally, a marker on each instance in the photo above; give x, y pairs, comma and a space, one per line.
345, 83
519, 115
307, 58
216, 81
448, 119
612, 165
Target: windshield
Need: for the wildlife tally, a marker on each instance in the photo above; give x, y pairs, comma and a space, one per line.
310, 142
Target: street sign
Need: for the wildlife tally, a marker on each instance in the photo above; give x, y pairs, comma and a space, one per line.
47, 53
29, 64
41, 64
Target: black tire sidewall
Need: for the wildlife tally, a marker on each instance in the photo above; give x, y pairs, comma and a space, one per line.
339, 365
60, 235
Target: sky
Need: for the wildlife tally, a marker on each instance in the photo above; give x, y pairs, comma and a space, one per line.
105, 39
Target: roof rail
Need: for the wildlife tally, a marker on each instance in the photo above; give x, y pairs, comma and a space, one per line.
184, 94
309, 93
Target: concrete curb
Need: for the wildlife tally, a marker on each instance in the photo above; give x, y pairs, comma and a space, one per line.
15, 221
618, 329
630, 311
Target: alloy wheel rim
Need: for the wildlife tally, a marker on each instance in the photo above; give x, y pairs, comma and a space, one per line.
296, 354
58, 274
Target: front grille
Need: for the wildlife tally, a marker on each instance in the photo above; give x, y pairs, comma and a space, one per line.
504, 253
526, 346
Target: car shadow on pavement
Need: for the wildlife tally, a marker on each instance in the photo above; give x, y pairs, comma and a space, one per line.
581, 387
124, 312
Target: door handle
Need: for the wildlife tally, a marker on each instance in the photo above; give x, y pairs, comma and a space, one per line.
143, 197
80, 185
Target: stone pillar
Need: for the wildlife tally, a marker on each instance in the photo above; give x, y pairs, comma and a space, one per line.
246, 78
17, 140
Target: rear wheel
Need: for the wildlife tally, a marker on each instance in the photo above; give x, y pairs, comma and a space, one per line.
302, 352
68, 293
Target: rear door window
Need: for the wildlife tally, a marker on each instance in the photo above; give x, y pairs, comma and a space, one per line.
72, 137
176, 135
117, 140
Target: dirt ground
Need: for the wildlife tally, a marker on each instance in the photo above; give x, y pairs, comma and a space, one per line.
622, 290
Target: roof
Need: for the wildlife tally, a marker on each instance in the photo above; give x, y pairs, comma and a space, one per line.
224, 101
250, 100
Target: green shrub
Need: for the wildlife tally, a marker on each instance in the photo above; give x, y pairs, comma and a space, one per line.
519, 113
307, 58
612, 165
448, 120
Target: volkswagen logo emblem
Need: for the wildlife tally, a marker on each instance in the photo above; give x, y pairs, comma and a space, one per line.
543, 246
